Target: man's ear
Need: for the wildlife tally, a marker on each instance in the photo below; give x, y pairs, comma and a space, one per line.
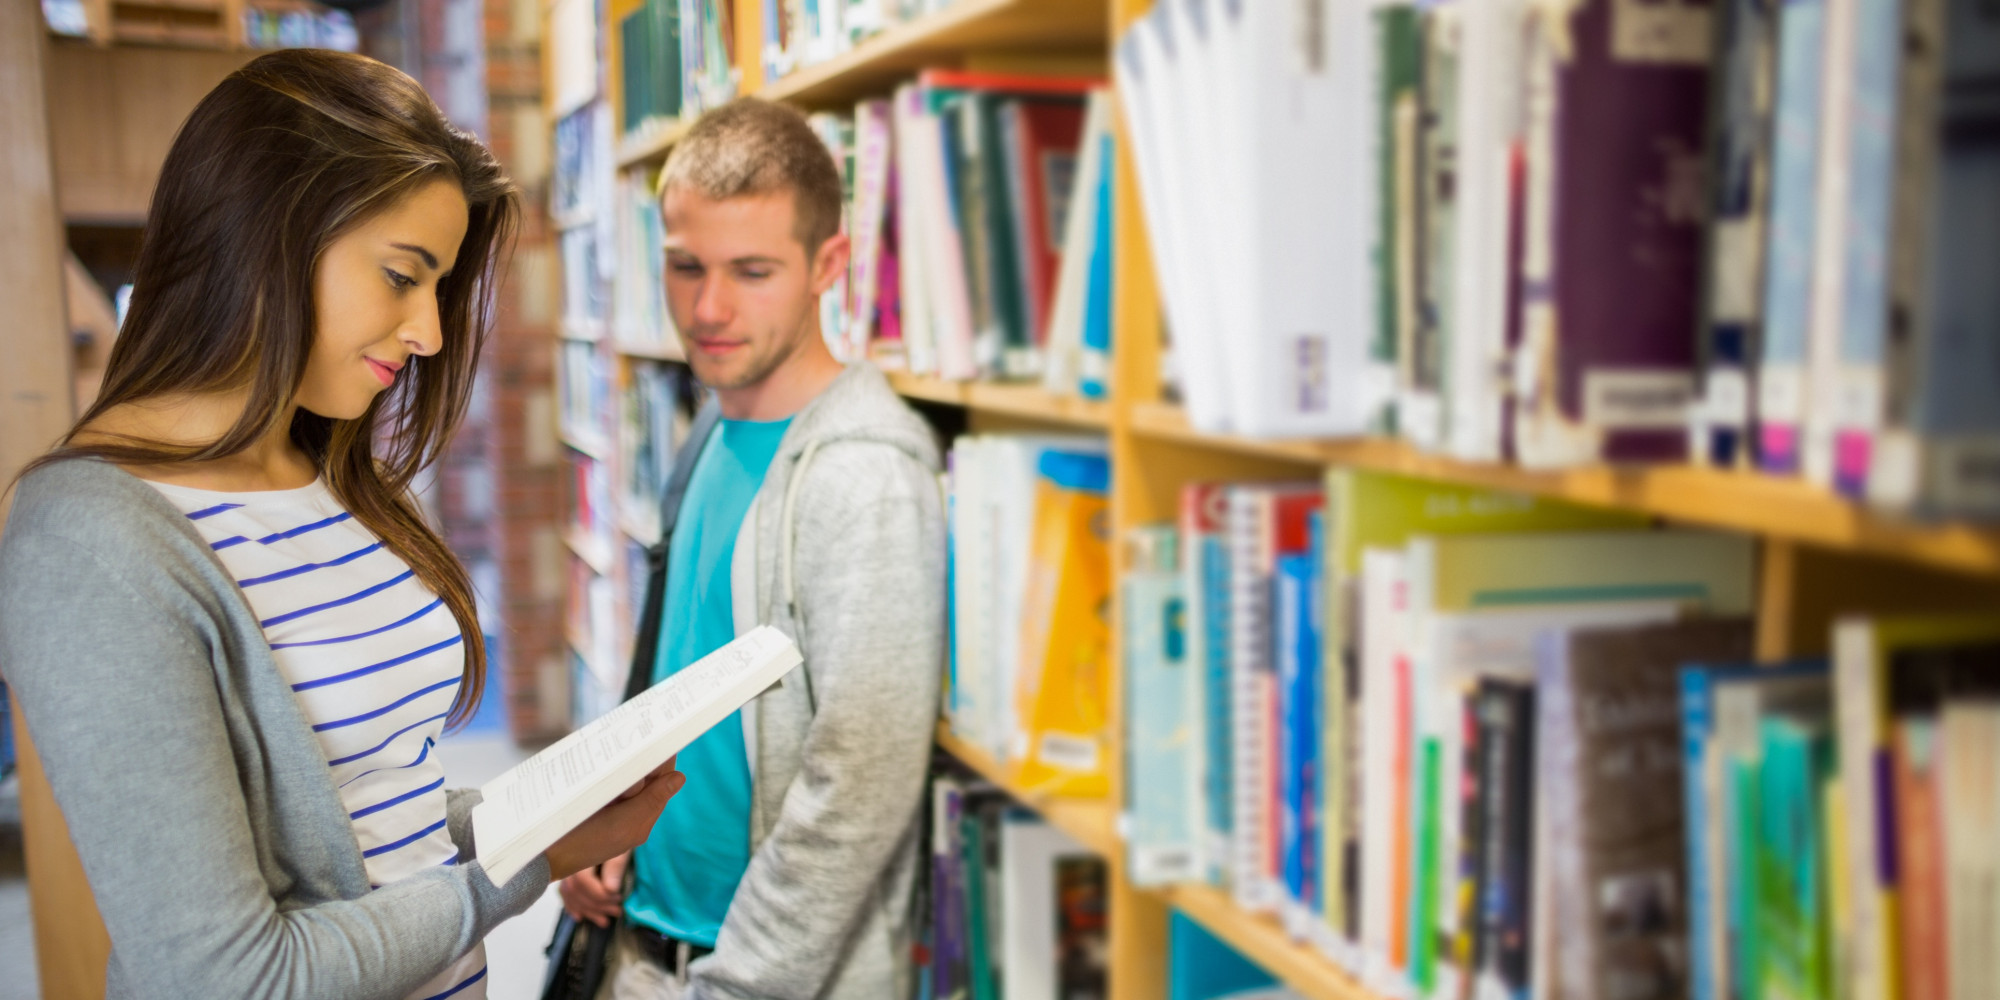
830, 262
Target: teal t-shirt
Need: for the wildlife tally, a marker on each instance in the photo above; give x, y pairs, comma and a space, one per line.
688, 868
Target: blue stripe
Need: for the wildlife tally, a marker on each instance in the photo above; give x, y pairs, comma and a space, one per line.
337, 602
227, 542
371, 668
481, 974
426, 609
308, 567
351, 758
421, 754
386, 709
405, 797
406, 841
212, 511
303, 528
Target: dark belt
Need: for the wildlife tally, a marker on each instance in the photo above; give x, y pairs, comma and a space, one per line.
671, 953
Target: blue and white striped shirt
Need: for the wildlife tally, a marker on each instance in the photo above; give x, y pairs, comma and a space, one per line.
375, 659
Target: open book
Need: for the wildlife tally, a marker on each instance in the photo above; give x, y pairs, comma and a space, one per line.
532, 805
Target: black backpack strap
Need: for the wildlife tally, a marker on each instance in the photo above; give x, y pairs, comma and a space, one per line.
646, 648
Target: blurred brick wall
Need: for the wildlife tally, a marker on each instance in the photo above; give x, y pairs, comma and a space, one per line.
499, 490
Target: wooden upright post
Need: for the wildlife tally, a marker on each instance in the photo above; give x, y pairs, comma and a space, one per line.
36, 406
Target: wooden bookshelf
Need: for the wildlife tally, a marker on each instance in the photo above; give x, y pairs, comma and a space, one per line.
1090, 822
588, 549
586, 443
669, 350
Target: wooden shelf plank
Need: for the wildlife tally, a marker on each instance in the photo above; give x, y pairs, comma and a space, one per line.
667, 351
873, 67
1026, 401
650, 148
589, 550
1773, 506
1090, 822
588, 444
1261, 940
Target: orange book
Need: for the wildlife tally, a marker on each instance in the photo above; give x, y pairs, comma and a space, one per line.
1920, 858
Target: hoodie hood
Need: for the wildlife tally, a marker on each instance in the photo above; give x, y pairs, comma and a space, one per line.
859, 405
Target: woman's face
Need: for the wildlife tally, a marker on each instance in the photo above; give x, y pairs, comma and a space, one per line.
375, 299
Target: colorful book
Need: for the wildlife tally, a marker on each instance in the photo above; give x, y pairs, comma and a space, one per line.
1704, 690
1041, 139
1790, 859
1205, 562
1297, 656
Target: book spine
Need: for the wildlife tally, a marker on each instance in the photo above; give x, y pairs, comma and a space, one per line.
1739, 182
1781, 373
1249, 632
1697, 711
1294, 728
1835, 175
1094, 361
1866, 791
1920, 861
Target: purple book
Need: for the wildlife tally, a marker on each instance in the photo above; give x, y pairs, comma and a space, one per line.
1616, 128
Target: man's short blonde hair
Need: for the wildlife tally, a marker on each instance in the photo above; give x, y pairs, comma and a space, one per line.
755, 147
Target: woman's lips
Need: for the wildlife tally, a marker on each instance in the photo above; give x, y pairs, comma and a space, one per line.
383, 370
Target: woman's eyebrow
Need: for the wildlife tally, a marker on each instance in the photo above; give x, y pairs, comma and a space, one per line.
429, 258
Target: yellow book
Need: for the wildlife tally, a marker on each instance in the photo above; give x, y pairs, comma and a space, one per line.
1063, 685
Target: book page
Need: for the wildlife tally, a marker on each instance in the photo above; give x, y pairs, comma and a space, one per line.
591, 766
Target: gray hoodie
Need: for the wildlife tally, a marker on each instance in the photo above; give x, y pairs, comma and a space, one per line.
843, 549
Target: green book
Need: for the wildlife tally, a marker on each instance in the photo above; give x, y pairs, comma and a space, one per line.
1399, 57
977, 835
1792, 918
665, 24
636, 70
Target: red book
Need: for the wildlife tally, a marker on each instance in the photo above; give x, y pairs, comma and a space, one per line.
1042, 139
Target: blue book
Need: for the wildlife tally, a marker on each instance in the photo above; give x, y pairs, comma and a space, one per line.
1205, 554
1781, 376
1164, 840
1094, 368
1201, 967
1705, 787
1297, 657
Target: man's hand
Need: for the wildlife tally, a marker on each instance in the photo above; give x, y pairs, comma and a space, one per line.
596, 895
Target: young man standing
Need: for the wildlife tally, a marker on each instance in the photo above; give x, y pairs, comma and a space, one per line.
786, 868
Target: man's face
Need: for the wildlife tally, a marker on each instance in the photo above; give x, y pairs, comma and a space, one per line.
740, 287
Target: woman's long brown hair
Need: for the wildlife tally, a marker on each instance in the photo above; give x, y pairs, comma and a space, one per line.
290, 152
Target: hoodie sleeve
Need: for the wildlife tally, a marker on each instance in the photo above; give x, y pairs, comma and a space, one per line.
870, 551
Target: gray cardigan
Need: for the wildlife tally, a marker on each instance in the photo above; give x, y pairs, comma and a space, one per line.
201, 805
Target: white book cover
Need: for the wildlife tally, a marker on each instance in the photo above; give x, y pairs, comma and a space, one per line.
1830, 237
1252, 697
1489, 124
536, 802
919, 336
1296, 368
950, 298
1145, 67
1030, 850
971, 595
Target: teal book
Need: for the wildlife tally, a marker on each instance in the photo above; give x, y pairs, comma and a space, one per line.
1163, 844
1201, 966
1793, 918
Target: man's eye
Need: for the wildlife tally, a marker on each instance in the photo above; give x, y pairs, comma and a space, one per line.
399, 279
685, 268
756, 274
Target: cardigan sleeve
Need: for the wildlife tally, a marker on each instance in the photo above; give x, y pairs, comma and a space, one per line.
120, 696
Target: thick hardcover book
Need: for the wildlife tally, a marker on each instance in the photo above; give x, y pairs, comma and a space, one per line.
1616, 118
1739, 181
542, 798
1607, 740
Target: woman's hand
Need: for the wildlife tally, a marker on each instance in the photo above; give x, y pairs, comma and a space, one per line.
616, 828
597, 895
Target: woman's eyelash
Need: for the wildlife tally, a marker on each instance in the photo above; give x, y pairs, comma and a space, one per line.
399, 279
